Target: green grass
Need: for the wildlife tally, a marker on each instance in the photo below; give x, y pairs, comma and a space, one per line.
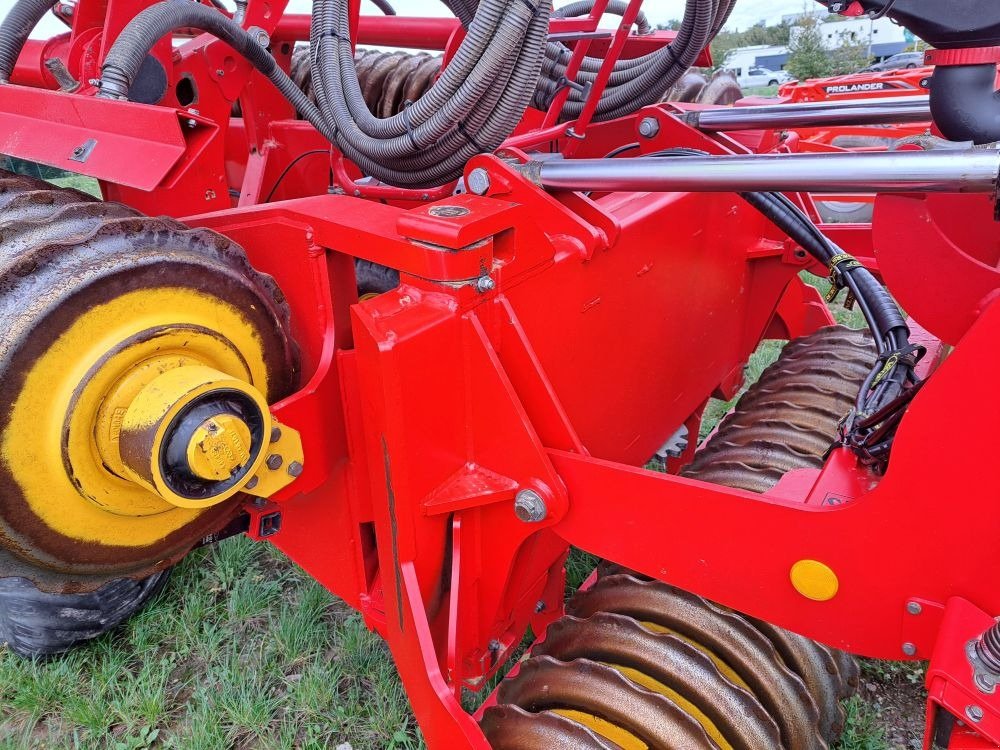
244, 650
760, 91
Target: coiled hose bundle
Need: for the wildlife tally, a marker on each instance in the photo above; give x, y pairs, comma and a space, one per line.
504, 64
475, 104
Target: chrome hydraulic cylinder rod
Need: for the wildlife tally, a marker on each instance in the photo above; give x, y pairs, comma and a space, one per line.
884, 111
945, 171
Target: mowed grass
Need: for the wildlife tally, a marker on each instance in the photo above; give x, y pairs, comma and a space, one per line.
244, 650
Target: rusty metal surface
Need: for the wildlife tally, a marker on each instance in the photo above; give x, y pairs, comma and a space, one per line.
62, 254
726, 635
388, 79
687, 88
512, 728
789, 417
544, 683
671, 661
722, 88
820, 672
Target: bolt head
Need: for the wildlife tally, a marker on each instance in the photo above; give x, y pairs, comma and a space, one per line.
914, 608
260, 36
485, 284
649, 127
909, 649
251, 484
974, 712
530, 507
294, 469
274, 461
479, 181
275, 434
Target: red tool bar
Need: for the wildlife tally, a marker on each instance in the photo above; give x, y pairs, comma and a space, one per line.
388, 31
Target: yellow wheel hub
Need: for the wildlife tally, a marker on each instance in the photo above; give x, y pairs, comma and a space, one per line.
219, 447
115, 378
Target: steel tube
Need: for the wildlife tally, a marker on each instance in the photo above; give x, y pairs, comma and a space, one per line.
967, 171
886, 111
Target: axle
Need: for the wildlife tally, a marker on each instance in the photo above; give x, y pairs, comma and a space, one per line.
968, 171
815, 114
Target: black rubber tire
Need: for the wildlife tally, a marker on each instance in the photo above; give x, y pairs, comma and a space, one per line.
36, 624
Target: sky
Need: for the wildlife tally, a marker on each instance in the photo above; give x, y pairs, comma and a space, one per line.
747, 12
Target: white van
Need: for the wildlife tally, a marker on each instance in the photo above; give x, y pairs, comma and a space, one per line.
758, 76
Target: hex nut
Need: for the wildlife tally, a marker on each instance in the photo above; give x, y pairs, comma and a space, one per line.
294, 469
529, 506
479, 181
274, 461
649, 127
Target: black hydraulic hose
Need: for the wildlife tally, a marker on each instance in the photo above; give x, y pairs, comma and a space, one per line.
887, 384
136, 40
475, 104
638, 81
385, 7
614, 7
19, 22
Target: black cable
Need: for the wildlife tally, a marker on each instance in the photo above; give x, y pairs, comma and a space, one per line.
290, 165
869, 428
621, 150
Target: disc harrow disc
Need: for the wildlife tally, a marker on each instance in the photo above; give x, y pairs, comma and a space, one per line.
746, 684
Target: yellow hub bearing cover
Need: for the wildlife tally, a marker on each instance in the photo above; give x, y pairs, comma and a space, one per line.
118, 329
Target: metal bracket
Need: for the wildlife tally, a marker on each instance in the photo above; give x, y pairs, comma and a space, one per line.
284, 462
82, 152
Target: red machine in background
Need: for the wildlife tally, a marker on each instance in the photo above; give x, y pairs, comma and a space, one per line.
420, 323
902, 82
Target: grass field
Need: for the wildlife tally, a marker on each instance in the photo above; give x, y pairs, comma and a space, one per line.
243, 650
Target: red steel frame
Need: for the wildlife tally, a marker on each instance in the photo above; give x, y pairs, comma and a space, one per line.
614, 318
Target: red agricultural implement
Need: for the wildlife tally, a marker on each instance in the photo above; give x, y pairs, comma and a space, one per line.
903, 82
421, 322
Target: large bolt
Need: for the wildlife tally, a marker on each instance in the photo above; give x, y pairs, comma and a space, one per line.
529, 506
274, 461
974, 712
485, 284
479, 181
649, 127
260, 36
294, 469
914, 608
